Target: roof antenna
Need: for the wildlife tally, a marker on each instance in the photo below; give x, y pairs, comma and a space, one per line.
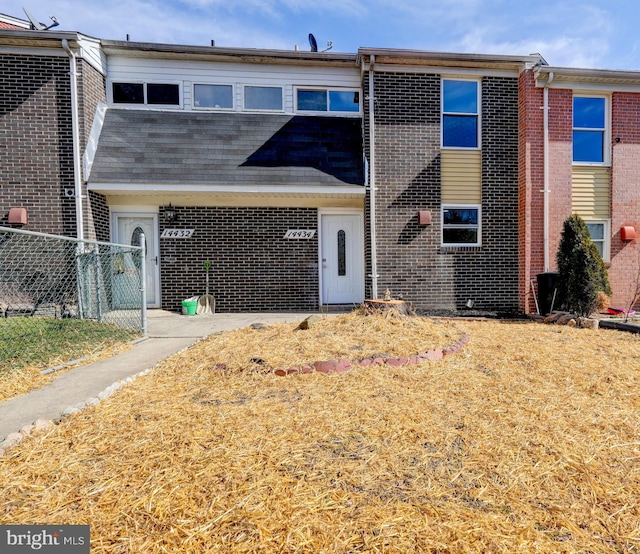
35, 25
314, 44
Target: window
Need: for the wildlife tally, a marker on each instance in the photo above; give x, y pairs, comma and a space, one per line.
213, 96
460, 225
588, 129
263, 98
328, 100
460, 113
158, 93
599, 231
128, 93
165, 94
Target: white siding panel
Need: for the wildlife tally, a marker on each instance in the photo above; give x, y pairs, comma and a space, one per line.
125, 69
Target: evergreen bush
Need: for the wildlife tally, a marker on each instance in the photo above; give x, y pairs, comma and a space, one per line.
581, 271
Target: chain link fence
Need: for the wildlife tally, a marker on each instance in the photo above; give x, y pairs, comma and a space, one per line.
61, 298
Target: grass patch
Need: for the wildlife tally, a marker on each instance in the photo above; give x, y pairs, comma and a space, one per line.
525, 441
29, 345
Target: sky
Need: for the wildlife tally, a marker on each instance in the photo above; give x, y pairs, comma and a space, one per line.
568, 33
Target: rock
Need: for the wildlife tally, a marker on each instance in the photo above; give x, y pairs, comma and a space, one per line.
71, 410
588, 323
280, 372
564, 319
413, 360
365, 362
42, 424
395, 362
306, 369
378, 361
326, 367
310, 321
12, 439
27, 430
571, 323
434, 355
2, 452
343, 365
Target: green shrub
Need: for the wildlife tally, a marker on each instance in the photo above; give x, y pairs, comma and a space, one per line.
581, 271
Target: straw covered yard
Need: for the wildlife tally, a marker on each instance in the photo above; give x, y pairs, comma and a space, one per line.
526, 440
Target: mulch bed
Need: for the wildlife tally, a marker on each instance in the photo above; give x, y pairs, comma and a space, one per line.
525, 441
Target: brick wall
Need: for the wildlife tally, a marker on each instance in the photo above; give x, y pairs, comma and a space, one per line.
560, 166
254, 267
530, 185
624, 272
36, 151
36, 142
411, 262
91, 91
531, 179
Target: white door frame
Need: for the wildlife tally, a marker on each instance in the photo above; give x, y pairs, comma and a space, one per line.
359, 247
156, 232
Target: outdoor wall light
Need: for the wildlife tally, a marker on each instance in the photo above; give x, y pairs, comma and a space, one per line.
18, 216
170, 213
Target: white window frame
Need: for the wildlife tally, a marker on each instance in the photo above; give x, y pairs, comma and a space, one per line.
444, 207
606, 240
268, 110
328, 111
478, 82
606, 136
144, 92
213, 108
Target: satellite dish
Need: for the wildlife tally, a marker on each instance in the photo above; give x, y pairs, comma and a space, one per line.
36, 25
313, 43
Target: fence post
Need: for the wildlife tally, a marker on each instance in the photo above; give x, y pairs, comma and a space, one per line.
143, 283
96, 269
79, 278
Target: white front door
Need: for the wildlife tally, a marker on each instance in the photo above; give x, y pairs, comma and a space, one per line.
128, 228
342, 258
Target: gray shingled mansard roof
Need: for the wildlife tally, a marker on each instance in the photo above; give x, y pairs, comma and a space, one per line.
138, 147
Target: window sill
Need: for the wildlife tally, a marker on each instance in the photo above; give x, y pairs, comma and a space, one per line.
452, 249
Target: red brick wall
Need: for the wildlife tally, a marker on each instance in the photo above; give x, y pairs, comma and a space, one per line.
531, 183
531, 178
624, 272
560, 165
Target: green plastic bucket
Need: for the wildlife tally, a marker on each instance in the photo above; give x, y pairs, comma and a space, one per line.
189, 307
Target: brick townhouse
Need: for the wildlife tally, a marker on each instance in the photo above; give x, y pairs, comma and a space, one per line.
311, 179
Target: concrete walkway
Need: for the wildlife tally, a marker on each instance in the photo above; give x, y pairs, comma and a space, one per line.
168, 333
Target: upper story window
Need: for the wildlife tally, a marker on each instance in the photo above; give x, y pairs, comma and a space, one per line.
589, 126
460, 125
165, 94
213, 96
314, 100
263, 98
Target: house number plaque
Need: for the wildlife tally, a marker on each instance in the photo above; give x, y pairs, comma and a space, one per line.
300, 234
177, 234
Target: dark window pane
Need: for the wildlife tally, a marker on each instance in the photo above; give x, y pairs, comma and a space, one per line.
163, 94
128, 93
263, 98
342, 253
460, 130
460, 96
460, 236
460, 216
588, 146
344, 101
213, 96
596, 230
588, 112
312, 100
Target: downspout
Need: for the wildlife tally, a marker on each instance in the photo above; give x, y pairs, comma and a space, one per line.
372, 182
77, 161
546, 191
